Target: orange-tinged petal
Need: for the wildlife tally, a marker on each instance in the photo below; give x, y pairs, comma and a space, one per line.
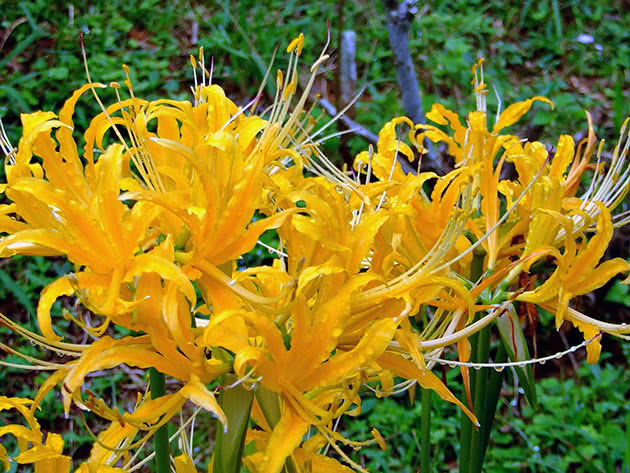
514, 112
107, 353
226, 331
315, 334
184, 464
148, 263
177, 315
285, 438
196, 392
406, 369
345, 364
247, 239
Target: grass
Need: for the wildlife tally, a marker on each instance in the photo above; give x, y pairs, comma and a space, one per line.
579, 426
573, 52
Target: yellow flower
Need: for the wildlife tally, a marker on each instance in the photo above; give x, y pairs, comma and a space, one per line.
476, 147
44, 456
76, 211
577, 270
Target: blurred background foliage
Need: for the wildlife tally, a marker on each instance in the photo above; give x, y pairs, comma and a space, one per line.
575, 52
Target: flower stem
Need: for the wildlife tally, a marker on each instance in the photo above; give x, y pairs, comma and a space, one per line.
236, 403
479, 401
425, 432
465, 424
466, 427
495, 381
160, 438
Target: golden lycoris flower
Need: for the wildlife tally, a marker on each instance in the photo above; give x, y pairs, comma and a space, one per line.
377, 271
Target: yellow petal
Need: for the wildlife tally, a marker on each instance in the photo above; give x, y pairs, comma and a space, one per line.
344, 364
196, 392
285, 438
148, 263
514, 112
184, 464
563, 157
594, 348
107, 353
52, 292
4, 458
406, 369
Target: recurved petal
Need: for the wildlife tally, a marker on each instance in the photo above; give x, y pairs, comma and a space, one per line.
285, 438
406, 369
184, 464
148, 263
196, 392
597, 277
588, 257
106, 353
514, 112
54, 290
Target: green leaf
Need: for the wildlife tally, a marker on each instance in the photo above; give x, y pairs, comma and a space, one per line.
513, 340
269, 405
236, 403
17, 290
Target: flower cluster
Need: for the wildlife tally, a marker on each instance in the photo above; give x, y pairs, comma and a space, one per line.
377, 271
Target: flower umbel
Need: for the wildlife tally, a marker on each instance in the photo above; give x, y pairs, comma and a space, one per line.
380, 274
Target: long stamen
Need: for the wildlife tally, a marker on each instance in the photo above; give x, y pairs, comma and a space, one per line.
510, 364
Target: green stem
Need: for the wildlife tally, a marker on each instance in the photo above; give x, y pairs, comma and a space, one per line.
465, 425
495, 382
627, 455
160, 438
477, 268
479, 401
236, 403
425, 432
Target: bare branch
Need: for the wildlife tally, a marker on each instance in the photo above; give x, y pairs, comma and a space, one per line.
348, 122
362, 131
399, 17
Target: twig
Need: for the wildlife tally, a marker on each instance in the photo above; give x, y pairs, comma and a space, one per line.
349, 122
361, 131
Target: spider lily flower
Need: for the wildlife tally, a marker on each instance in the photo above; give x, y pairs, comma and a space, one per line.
577, 270
311, 360
65, 208
44, 456
477, 147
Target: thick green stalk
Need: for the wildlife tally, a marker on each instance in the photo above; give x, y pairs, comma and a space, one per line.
236, 403
479, 401
160, 438
495, 382
425, 432
466, 426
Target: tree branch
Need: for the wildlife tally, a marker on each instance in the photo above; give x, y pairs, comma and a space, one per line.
360, 130
399, 17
